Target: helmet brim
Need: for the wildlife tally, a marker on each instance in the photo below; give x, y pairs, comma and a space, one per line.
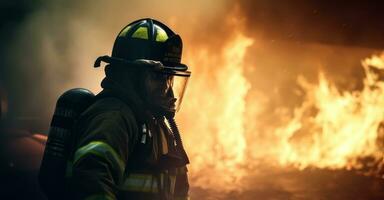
176, 71
175, 66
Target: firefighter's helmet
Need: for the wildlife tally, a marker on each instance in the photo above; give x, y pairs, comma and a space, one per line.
149, 41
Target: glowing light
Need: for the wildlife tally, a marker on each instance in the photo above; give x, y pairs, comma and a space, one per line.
344, 128
217, 109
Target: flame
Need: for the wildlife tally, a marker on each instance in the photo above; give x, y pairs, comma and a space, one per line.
344, 126
331, 128
216, 105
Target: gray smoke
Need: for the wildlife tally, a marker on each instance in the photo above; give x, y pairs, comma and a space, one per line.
54, 45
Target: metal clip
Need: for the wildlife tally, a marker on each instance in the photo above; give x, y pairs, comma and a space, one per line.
143, 138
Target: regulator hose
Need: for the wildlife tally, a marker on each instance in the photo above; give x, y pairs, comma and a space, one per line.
179, 142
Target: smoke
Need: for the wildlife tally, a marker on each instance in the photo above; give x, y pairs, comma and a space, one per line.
54, 47
329, 22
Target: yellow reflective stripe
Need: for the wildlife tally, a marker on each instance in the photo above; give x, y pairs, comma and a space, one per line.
141, 32
125, 31
100, 197
102, 150
140, 183
161, 35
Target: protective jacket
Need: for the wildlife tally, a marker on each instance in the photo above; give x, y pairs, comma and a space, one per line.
122, 151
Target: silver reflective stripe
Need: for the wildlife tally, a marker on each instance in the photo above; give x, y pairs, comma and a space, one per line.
136, 182
140, 183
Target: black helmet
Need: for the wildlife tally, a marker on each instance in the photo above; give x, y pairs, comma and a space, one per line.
151, 41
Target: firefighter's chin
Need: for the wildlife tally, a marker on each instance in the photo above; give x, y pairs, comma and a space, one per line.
165, 106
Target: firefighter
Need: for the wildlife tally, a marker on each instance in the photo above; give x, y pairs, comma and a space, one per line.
127, 144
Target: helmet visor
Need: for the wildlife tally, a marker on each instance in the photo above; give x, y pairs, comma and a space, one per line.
177, 83
165, 85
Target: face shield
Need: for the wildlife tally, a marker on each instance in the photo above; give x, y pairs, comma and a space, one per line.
166, 88
178, 83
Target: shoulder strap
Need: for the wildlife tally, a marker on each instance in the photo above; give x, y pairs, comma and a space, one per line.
109, 93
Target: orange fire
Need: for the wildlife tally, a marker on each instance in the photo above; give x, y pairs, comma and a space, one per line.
214, 114
331, 128
343, 127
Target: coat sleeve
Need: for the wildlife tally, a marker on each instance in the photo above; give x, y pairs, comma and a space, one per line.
100, 157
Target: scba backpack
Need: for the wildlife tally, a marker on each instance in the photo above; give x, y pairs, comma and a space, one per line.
59, 143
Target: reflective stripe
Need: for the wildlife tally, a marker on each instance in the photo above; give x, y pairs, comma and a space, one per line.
161, 34
125, 31
140, 183
141, 32
100, 197
103, 150
147, 183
